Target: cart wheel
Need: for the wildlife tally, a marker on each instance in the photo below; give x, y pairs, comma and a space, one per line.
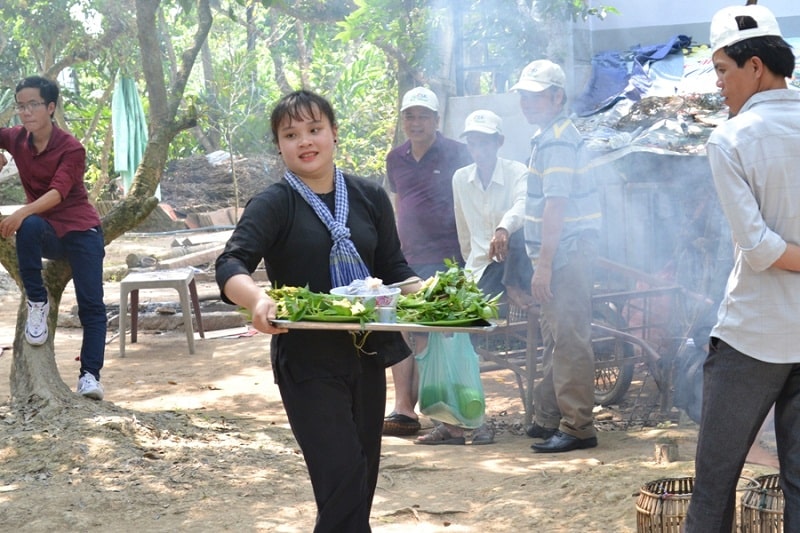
613, 366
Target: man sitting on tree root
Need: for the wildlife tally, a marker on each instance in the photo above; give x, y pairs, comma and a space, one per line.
56, 222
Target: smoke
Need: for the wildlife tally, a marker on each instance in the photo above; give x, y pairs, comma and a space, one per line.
647, 134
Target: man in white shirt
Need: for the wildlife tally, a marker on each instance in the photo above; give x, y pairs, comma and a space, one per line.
489, 205
489, 202
754, 359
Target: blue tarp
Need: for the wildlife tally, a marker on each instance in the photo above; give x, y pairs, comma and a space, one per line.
617, 75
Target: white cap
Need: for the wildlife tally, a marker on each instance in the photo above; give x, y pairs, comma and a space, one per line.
540, 75
420, 96
725, 28
483, 121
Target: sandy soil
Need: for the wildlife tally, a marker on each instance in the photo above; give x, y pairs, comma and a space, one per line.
201, 443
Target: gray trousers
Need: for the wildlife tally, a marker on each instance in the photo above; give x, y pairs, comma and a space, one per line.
738, 392
564, 397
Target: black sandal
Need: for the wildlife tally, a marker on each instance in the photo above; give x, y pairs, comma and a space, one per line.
398, 425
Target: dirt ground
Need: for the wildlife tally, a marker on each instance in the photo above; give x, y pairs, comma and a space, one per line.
201, 443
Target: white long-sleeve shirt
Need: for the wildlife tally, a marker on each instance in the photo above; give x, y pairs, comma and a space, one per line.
479, 212
755, 161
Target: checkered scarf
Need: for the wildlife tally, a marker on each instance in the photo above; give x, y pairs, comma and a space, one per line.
346, 264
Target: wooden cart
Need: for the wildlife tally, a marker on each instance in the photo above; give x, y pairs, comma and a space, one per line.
637, 318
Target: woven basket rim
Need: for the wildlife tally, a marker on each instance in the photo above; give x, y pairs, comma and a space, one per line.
763, 498
649, 488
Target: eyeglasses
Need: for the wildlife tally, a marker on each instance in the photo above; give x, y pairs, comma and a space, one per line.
30, 107
422, 117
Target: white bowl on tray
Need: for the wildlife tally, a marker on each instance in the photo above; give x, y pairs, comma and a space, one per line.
383, 296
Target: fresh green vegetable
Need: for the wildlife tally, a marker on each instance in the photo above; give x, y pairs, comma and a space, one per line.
300, 303
449, 295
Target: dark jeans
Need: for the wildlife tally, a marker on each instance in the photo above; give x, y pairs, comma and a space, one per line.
84, 250
738, 392
518, 269
514, 272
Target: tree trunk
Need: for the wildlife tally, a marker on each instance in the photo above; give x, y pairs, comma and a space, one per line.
35, 381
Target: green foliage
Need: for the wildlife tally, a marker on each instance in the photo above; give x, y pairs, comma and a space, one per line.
502, 37
573, 10
400, 29
79, 110
357, 53
6, 99
363, 97
235, 105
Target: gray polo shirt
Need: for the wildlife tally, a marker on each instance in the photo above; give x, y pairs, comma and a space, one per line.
558, 168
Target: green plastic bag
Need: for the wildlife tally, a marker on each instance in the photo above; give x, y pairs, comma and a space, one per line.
450, 388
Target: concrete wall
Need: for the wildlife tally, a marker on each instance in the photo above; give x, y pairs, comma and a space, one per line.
516, 129
650, 22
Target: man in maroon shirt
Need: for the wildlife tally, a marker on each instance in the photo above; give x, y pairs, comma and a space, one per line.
420, 173
56, 222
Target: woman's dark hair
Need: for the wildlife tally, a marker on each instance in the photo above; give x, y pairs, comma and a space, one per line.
48, 90
773, 50
299, 105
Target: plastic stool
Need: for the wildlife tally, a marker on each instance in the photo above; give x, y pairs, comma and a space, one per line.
181, 280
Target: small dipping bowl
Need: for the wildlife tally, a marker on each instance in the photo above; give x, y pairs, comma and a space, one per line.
385, 301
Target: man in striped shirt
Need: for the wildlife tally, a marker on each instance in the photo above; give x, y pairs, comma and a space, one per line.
562, 229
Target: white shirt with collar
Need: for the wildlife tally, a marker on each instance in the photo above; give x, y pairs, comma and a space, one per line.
755, 162
479, 212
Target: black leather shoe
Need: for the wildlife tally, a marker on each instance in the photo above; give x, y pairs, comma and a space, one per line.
561, 442
538, 432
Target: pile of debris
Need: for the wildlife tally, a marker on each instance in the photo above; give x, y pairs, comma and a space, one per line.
677, 125
211, 190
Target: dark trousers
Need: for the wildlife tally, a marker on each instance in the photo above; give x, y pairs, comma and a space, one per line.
337, 421
515, 271
738, 392
84, 251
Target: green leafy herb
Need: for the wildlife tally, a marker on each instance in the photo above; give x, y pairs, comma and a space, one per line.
449, 295
300, 303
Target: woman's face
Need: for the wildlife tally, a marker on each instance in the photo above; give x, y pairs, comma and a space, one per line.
307, 145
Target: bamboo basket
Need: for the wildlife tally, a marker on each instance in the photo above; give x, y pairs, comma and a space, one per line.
662, 505
762, 506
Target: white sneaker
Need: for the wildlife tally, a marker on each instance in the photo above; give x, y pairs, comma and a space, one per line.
89, 387
36, 326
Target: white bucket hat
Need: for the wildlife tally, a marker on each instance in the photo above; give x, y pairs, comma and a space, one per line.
540, 75
420, 96
725, 26
483, 121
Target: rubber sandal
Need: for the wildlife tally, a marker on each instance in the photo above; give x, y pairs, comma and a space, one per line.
398, 425
483, 435
440, 435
